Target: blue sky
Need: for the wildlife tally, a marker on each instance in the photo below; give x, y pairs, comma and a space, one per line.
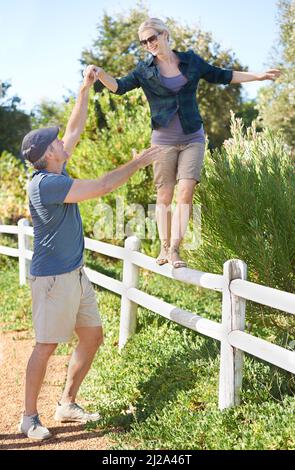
41, 41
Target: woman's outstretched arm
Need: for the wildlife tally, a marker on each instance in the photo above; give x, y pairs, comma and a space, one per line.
242, 77
106, 79
120, 86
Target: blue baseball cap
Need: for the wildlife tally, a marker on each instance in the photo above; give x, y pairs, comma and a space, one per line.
35, 143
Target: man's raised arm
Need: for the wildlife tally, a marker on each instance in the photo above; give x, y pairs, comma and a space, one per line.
78, 116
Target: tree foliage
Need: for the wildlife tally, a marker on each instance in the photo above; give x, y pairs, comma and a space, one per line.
277, 102
14, 123
48, 113
13, 189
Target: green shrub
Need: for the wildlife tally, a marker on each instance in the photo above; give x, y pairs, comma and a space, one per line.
102, 150
248, 210
13, 193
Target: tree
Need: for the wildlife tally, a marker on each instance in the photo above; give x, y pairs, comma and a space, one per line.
117, 49
48, 113
14, 123
276, 102
248, 113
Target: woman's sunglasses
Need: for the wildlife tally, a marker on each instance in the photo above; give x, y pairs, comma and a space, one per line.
150, 40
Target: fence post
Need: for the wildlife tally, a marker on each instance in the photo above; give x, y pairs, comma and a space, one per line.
23, 245
130, 279
233, 318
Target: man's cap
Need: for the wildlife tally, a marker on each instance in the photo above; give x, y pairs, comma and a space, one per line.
35, 143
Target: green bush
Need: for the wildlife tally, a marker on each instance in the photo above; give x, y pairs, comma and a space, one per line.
13, 192
248, 212
102, 150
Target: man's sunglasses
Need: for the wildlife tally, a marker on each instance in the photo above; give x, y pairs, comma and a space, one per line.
150, 40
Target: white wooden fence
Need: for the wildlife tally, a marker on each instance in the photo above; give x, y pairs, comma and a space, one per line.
233, 285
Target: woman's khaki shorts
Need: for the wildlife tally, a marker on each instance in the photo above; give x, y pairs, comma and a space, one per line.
60, 304
179, 162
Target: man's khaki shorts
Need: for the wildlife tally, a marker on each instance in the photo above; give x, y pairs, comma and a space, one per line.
179, 162
60, 304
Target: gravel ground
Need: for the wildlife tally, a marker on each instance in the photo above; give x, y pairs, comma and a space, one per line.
15, 349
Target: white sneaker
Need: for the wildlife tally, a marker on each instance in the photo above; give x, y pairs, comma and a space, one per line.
73, 412
31, 426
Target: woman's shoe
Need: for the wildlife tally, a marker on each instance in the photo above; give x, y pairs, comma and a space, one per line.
163, 256
175, 260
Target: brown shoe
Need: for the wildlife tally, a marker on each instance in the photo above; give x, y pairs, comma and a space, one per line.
163, 256
174, 258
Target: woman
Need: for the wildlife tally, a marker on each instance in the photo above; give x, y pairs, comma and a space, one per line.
169, 80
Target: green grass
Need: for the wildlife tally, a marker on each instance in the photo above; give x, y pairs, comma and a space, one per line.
161, 392
15, 301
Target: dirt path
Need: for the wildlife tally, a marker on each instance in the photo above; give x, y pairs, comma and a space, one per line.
15, 349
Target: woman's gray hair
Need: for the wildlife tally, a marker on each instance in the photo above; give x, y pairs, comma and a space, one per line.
153, 23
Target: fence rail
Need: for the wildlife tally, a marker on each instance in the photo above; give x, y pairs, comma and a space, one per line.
232, 284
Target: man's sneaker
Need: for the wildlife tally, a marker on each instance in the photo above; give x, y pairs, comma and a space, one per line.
31, 426
73, 412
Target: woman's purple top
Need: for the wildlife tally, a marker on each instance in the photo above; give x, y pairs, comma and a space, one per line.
173, 134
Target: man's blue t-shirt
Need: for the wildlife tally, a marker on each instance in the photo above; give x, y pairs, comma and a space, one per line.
58, 231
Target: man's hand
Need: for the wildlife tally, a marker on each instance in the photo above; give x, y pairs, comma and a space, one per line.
271, 74
90, 75
148, 156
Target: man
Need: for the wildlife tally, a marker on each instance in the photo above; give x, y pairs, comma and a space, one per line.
62, 296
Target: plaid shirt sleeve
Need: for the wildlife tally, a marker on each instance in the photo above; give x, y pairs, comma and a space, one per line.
127, 83
213, 74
